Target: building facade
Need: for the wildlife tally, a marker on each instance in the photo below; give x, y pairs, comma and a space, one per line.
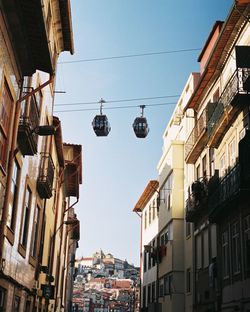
36, 212
217, 202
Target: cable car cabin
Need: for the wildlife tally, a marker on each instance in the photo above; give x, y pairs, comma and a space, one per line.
140, 127
101, 125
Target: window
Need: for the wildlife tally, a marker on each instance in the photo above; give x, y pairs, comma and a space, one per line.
154, 258
28, 305
198, 172
16, 304
223, 165
188, 229
211, 162
34, 243
225, 254
143, 296
149, 214
153, 292
165, 192
198, 252
205, 249
167, 284
232, 153
161, 282
236, 247
3, 295
247, 242
153, 208
188, 280
204, 166
6, 106
11, 219
145, 220
26, 216
145, 262
149, 294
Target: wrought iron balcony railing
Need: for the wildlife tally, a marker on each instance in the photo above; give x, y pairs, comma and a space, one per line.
196, 204
46, 176
227, 190
198, 137
29, 120
231, 100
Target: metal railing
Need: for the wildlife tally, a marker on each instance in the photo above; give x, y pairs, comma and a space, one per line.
199, 128
46, 173
228, 187
228, 97
30, 115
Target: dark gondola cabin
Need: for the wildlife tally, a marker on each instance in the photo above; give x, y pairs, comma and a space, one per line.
140, 125
101, 125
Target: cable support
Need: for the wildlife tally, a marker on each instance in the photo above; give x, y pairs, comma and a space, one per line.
109, 108
129, 56
118, 101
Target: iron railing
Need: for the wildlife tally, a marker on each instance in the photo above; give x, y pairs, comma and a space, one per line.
229, 97
46, 176
228, 188
199, 128
30, 116
196, 202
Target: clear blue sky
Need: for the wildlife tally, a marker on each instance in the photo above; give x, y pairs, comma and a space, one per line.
117, 168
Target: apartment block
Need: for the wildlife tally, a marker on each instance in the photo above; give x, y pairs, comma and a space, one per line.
217, 202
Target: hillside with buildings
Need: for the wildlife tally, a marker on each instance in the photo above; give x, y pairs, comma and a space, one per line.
105, 283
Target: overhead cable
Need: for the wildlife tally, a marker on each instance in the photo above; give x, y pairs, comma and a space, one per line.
129, 56
120, 100
109, 108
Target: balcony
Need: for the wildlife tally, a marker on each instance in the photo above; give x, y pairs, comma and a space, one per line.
199, 135
196, 204
46, 176
29, 120
224, 195
71, 180
233, 98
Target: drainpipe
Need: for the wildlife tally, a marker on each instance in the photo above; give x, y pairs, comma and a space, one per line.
11, 158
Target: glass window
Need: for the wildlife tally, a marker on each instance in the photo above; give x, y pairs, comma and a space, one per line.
145, 220
232, 153
165, 192
149, 294
188, 280
205, 249
153, 208
153, 292
198, 172
26, 216
13, 196
225, 254
3, 297
223, 165
236, 247
16, 304
34, 243
188, 229
247, 242
204, 166
198, 252
5, 120
149, 214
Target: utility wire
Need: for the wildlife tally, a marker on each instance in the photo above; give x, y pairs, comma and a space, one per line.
114, 107
129, 56
118, 101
